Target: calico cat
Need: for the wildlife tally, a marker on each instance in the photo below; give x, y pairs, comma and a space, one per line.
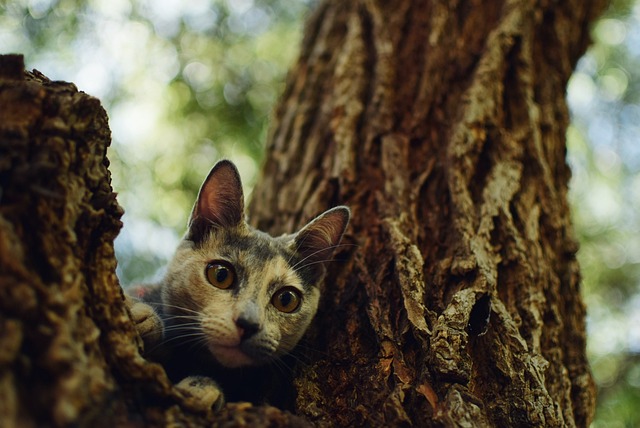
233, 298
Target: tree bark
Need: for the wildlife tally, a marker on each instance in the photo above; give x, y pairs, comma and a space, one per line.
455, 300
69, 354
442, 125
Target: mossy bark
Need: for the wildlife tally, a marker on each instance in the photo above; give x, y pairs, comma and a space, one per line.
455, 300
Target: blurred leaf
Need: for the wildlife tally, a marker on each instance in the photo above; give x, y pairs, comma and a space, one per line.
186, 83
604, 152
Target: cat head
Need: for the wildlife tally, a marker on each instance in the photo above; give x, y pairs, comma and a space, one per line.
247, 296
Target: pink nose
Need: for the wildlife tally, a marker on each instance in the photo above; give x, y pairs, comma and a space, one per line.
246, 328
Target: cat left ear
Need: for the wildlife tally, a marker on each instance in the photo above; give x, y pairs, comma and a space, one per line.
316, 242
220, 202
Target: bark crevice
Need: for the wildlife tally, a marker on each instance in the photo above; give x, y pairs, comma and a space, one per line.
456, 297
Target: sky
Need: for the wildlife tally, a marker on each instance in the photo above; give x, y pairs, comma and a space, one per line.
169, 72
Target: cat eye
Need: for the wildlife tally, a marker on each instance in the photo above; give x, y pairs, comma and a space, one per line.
287, 299
220, 274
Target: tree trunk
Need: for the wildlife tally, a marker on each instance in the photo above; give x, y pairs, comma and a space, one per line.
69, 353
442, 125
455, 299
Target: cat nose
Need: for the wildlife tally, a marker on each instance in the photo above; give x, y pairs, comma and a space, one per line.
248, 320
247, 328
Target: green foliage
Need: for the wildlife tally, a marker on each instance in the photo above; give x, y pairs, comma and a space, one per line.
186, 83
604, 152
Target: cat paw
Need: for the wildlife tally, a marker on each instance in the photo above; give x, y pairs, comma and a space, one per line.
147, 321
203, 392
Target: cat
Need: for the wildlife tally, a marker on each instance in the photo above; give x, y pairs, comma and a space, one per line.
233, 298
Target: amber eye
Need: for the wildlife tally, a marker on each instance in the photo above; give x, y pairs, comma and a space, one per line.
287, 299
220, 274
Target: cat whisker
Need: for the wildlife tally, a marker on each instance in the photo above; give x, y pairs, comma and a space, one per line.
323, 249
179, 337
281, 366
188, 319
195, 342
187, 339
182, 338
315, 263
296, 360
297, 248
177, 329
181, 308
307, 354
176, 321
201, 342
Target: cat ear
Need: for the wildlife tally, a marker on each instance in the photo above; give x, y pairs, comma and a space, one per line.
316, 242
220, 202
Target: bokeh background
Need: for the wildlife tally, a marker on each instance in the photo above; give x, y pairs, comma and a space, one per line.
188, 82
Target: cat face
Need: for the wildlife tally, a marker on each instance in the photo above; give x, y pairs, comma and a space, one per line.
246, 296
241, 291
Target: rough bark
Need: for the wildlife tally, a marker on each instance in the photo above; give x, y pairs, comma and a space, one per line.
442, 125
69, 353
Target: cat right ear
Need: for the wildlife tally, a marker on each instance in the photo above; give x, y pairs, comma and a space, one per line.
220, 202
317, 241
